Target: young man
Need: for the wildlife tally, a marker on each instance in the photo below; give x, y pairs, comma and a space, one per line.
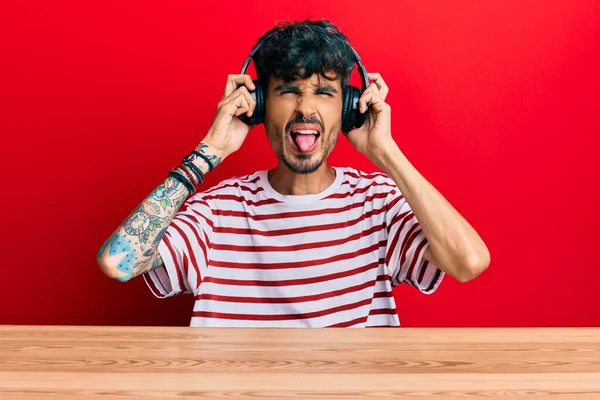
302, 244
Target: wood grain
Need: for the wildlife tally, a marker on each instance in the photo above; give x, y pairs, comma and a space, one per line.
74, 362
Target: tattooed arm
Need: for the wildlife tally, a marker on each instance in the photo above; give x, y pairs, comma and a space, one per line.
132, 249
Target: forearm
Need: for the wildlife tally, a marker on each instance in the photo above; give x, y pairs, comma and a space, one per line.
456, 246
132, 249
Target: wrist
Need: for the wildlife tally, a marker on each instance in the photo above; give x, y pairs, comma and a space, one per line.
210, 157
385, 155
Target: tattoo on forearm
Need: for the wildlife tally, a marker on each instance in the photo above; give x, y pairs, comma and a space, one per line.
136, 239
142, 224
164, 194
213, 159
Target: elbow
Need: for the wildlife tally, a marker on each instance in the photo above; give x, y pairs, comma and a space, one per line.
111, 266
474, 267
113, 271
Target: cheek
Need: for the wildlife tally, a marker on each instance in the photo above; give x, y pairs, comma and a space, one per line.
334, 127
273, 130
332, 113
279, 112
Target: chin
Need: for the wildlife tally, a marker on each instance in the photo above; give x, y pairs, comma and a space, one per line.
301, 163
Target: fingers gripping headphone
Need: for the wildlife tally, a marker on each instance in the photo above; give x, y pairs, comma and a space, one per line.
351, 116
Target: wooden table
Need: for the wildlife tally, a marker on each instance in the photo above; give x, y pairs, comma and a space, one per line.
38, 362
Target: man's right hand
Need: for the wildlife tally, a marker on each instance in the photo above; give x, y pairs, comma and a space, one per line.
227, 132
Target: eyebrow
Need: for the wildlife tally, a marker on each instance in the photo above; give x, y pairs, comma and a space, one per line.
295, 88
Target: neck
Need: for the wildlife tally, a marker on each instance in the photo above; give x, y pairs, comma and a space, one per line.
286, 182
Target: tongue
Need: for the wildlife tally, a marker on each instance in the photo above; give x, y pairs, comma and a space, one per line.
305, 142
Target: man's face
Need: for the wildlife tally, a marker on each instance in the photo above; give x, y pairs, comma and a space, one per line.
303, 120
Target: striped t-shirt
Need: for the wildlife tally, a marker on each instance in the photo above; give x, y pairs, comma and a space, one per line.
253, 257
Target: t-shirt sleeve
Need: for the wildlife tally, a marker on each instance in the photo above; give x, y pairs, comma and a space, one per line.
406, 244
184, 249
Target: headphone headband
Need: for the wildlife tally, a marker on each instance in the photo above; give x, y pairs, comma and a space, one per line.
361, 69
351, 115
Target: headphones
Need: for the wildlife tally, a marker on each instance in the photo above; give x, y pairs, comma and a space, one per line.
351, 116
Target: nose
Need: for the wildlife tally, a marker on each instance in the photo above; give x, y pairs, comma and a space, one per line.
306, 106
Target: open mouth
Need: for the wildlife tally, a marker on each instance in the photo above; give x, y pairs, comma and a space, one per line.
304, 140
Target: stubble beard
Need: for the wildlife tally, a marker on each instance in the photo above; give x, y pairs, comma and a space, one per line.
304, 164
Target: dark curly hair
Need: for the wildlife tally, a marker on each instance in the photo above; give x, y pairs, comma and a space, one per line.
297, 50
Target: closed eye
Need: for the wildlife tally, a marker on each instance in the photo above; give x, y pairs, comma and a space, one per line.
320, 92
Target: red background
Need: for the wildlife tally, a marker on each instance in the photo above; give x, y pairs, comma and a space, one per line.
495, 102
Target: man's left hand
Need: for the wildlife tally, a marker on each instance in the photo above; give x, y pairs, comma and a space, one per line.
374, 138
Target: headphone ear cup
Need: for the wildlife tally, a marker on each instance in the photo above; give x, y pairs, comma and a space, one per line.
351, 116
346, 104
258, 116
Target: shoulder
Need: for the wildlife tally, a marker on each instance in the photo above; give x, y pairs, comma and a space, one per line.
373, 182
236, 182
237, 186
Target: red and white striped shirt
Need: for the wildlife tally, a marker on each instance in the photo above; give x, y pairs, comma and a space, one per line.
253, 257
